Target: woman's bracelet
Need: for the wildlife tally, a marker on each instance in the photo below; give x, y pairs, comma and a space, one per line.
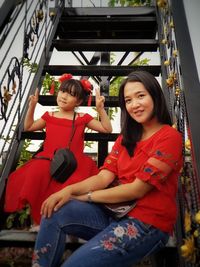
89, 196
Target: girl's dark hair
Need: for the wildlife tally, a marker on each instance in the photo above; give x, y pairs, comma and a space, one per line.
130, 129
74, 88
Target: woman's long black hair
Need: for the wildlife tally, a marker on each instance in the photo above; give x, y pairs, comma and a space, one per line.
130, 129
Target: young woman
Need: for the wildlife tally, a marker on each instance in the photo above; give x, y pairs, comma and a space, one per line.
32, 184
146, 159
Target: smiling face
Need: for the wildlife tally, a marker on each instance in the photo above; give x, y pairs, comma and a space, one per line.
66, 101
139, 103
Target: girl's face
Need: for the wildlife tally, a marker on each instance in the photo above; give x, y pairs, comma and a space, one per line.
67, 101
139, 102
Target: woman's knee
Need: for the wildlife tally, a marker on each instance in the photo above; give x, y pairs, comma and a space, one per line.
69, 213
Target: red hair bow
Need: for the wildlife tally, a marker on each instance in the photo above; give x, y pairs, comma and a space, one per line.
88, 88
64, 77
86, 85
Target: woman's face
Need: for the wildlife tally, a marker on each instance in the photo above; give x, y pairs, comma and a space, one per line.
139, 102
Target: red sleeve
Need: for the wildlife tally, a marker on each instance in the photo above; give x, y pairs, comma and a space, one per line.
45, 116
167, 149
110, 162
87, 118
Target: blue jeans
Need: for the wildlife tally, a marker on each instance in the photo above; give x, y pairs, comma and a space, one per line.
111, 243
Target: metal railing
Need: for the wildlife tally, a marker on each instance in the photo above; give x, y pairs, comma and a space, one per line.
188, 241
24, 53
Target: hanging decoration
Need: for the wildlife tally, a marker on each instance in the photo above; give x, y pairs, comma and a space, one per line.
11, 78
188, 239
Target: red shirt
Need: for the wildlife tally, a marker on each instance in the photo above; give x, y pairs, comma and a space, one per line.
158, 207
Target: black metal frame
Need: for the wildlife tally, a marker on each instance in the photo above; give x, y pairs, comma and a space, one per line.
190, 78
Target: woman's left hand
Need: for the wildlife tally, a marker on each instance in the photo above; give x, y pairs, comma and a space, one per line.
54, 202
99, 100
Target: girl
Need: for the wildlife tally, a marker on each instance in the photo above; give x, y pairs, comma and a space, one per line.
146, 158
32, 184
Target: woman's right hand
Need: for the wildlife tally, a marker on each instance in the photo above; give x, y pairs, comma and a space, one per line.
54, 202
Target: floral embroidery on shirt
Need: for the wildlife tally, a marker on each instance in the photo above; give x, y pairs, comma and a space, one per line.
37, 253
112, 157
148, 169
154, 172
115, 151
166, 156
118, 235
158, 153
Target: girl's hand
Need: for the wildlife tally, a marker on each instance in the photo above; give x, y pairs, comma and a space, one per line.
99, 100
33, 99
54, 202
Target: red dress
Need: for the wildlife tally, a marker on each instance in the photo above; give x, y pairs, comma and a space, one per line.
158, 207
32, 182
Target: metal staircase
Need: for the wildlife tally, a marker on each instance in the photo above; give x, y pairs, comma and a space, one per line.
99, 31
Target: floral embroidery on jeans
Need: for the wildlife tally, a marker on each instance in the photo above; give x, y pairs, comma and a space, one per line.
37, 253
117, 235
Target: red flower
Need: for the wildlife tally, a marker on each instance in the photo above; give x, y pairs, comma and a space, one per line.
64, 77
52, 88
86, 85
107, 245
132, 231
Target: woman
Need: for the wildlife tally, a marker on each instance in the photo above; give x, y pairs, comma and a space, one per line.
147, 159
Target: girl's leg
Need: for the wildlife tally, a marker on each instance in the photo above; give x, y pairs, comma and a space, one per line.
77, 218
121, 244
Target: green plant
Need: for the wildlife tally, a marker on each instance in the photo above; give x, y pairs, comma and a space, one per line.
19, 219
49, 82
32, 67
25, 155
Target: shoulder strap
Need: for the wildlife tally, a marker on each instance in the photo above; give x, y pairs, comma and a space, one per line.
72, 131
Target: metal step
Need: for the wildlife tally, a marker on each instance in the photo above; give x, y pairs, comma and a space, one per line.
167, 256
134, 45
25, 238
120, 22
17, 238
49, 100
107, 27
125, 22
103, 70
109, 11
88, 136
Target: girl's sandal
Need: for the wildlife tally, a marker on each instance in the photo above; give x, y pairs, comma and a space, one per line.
34, 228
